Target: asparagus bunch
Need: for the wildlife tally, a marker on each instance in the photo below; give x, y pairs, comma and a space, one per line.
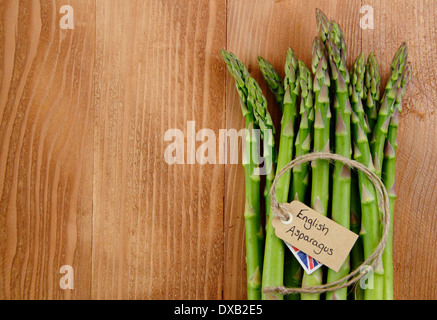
252, 215
363, 122
320, 168
389, 178
273, 272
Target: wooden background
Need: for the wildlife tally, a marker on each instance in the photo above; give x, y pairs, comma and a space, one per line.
83, 112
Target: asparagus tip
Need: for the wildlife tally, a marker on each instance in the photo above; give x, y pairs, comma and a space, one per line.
323, 24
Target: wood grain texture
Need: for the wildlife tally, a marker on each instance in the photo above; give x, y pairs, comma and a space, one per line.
46, 162
415, 225
83, 113
157, 229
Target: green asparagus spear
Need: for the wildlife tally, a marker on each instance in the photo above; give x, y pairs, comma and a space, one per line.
258, 104
357, 253
276, 86
274, 81
320, 168
273, 272
389, 178
356, 93
341, 180
387, 107
300, 180
303, 143
254, 235
372, 93
292, 268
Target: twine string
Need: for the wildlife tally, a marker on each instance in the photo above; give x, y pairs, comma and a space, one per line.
281, 212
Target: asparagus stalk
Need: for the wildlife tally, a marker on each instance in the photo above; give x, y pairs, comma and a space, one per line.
274, 81
303, 141
292, 268
276, 86
369, 233
356, 93
389, 178
320, 168
274, 248
252, 181
300, 180
357, 254
372, 93
387, 107
341, 179
258, 104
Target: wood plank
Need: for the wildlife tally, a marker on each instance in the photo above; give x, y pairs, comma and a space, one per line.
415, 225
157, 231
45, 158
268, 28
83, 114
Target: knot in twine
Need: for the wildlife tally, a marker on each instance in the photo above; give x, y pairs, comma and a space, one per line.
281, 212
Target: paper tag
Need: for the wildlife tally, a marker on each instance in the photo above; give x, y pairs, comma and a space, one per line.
316, 235
308, 263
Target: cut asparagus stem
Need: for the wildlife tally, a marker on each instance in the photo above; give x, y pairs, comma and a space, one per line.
389, 178
253, 229
320, 168
274, 81
372, 93
387, 107
273, 272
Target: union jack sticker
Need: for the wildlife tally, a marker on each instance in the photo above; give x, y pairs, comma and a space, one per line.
308, 264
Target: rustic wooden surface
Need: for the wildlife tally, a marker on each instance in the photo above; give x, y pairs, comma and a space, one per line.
83, 112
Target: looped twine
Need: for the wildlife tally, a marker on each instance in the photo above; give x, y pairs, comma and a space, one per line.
373, 260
